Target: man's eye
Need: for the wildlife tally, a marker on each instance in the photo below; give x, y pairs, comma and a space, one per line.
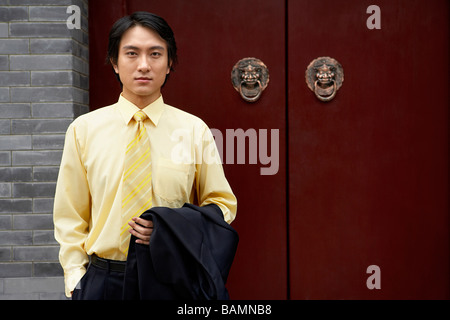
131, 53
155, 54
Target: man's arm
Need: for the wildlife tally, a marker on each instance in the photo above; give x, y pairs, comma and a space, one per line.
72, 210
211, 184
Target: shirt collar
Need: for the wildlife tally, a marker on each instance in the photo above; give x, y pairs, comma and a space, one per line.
153, 111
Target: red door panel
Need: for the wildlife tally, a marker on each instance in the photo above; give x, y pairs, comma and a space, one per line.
104, 89
211, 37
368, 170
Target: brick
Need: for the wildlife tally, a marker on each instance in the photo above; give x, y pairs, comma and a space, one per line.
13, 206
36, 30
16, 174
33, 222
81, 35
15, 110
5, 254
5, 125
14, 46
5, 190
81, 96
12, 270
4, 63
55, 78
52, 46
43, 205
33, 285
41, 62
31, 190
48, 142
34, 126
53, 110
20, 296
44, 237
14, 78
15, 142
80, 50
53, 13
80, 65
36, 158
5, 222
11, 238
48, 94
81, 80
36, 253
8, 13
4, 95
4, 30
48, 269
79, 109
45, 173
84, 82
5, 158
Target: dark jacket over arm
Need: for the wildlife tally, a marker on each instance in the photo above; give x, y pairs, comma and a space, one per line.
189, 257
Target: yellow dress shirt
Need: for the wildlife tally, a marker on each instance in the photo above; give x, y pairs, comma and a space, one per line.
186, 167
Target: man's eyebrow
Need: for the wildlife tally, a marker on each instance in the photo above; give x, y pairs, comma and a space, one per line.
157, 48
136, 48
130, 47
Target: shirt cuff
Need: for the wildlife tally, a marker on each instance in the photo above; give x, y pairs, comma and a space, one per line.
71, 279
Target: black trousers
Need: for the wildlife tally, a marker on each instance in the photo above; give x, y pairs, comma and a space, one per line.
99, 284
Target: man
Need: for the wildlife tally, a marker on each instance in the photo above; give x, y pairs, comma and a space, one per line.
100, 192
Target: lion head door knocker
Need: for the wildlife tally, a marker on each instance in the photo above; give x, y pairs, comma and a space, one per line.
250, 77
324, 77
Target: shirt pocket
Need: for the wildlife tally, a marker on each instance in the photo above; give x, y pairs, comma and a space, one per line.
170, 181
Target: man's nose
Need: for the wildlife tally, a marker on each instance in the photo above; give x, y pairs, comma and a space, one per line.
144, 65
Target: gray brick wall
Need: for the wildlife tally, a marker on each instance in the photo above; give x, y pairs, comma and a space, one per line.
44, 79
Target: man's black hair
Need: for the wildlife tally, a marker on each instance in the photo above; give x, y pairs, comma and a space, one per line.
144, 19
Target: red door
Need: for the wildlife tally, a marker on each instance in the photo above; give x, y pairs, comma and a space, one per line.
368, 170
362, 179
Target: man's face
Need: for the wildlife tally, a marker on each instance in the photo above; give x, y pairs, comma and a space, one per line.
142, 64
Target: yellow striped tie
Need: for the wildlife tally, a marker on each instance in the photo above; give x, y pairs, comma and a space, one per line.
137, 179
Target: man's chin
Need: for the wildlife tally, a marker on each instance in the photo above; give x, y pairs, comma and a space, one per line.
145, 92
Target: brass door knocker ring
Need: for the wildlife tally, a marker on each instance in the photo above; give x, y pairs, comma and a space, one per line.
324, 94
246, 95
324, 76
250, 77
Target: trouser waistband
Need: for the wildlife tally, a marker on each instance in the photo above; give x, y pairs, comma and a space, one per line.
106, 264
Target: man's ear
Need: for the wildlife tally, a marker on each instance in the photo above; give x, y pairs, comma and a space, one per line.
169, 67
115, 67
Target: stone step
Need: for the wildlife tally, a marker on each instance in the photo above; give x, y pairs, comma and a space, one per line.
32, 288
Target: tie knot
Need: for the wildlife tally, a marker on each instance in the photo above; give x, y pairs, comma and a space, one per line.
139, 116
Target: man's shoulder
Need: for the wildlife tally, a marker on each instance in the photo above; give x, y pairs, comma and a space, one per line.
96, 116
184, 116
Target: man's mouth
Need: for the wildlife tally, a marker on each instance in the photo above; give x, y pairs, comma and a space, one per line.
143, 79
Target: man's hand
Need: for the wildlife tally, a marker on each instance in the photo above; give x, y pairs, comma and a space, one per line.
141, 229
